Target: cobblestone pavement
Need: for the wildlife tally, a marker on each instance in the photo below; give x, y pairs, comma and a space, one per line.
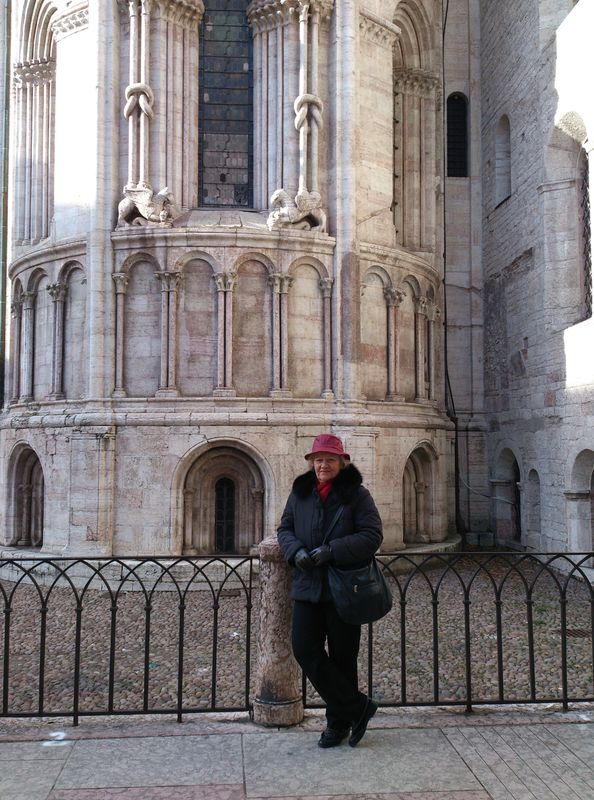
497, 753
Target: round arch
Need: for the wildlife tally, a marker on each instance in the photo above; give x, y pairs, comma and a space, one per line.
579, 501
254, 256
309, 261
506, 496
26, 500
193, 487
197, 255
419, 495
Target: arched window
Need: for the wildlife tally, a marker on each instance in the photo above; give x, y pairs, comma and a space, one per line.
225, 121
502, 160
457, 136
28, 500
225, 516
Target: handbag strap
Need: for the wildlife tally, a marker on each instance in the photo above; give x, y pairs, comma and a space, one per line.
335, 518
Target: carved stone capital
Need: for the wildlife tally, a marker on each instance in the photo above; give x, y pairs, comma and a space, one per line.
268, 14
186, 13
75, 18
274, 280
58, 292
121, 282
16, 307
29, 301
416, 82
325, 285
34, 73
393, 296
169, 280
225, 281
421, 305
377, 30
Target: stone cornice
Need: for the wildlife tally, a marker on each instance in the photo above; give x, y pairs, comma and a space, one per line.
72, 20
415, 81
50, 252
377, 29
34, 73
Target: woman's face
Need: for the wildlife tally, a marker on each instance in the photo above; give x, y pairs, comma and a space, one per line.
326, 466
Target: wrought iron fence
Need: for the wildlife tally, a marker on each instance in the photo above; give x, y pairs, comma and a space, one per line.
483, 628
118, 636
161, 636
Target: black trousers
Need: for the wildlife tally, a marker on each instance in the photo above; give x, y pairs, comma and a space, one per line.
332, 673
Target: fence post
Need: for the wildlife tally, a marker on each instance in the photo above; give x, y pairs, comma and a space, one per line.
278, 697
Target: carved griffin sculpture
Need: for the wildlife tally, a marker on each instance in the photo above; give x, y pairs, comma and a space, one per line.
142, 206
305, 212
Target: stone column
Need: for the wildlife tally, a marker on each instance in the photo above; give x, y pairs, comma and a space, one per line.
326, 287
225, 282
27, 493
28, 352
106, 490
278, 699
189, 548
285, 285
169, 285
58, 292
433, 315
420, 318
120, 280
16, 309
393, 299
275, 281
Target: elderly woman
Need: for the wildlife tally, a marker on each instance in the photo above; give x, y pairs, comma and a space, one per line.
330, 497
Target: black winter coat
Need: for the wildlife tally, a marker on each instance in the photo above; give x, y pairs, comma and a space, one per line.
354, 539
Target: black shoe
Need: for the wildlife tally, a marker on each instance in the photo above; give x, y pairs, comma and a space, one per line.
359, 727
332, 738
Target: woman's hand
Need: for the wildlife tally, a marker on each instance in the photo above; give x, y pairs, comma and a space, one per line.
303, 560
321, 555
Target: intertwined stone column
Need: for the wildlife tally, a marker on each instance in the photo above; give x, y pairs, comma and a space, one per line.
278, 699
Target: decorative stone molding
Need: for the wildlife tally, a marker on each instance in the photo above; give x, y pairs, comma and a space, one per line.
34, 73
305, 212
72, 20
141, 206
416, 82
377, 30
326, 286
394, 297
57, 292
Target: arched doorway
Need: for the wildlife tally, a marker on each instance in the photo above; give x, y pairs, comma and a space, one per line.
418, 498
223, 503
507, 499
28, 500
580, 504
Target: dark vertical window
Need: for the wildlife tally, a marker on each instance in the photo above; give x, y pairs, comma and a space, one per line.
226, 108
225, 516
457, 133
585, 233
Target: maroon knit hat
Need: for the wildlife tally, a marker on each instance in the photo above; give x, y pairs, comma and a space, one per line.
328, 443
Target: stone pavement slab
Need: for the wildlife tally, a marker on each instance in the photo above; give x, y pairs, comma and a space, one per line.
386, 761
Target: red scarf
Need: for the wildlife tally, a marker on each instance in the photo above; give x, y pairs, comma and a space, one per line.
324, 490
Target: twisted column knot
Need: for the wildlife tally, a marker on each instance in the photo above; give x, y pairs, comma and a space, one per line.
139, 94
305, 104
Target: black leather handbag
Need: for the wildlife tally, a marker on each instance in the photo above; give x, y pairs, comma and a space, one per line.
361, 594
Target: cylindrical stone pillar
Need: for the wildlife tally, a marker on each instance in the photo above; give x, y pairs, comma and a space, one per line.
278, 699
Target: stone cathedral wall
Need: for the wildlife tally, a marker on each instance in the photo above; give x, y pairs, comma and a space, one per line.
166, 350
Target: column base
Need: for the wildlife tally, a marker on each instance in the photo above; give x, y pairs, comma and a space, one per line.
224, 392
327, 394
119, 393
280, 394
56, 396
169, 391
279, 714
395, 398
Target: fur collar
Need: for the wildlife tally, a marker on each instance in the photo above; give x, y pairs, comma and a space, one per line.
346, 482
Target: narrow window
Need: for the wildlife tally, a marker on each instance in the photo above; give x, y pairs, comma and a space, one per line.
226, 113
585, 233
457, 134
502, 160
225, 516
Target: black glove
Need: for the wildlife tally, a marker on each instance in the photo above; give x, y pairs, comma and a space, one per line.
303, 560
321, 555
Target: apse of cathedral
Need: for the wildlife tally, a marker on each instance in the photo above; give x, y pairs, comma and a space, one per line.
229, 226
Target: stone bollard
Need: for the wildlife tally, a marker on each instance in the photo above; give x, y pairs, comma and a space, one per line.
278, 700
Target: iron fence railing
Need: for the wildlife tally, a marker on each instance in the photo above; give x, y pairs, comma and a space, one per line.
125, 636
178, 636
481, 628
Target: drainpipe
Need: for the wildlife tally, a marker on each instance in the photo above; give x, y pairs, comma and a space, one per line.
5, 24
